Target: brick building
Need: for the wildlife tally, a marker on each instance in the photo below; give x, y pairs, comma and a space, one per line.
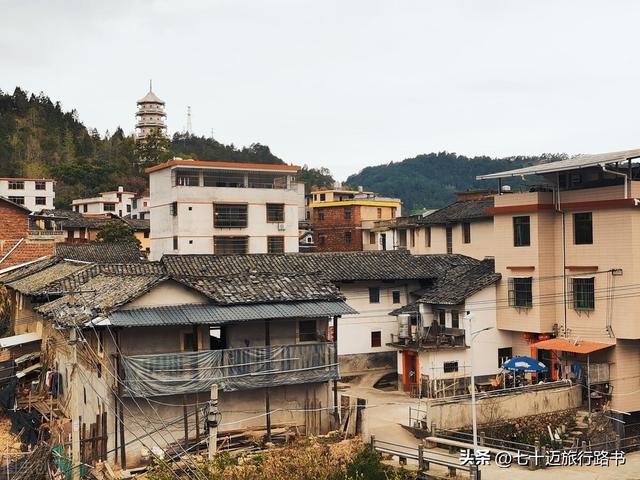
343, 219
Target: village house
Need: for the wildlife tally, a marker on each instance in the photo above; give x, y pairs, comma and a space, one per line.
223, 208
153, 337
463, 227
343, 220
140, 206
117, 202
567, 255
32, 193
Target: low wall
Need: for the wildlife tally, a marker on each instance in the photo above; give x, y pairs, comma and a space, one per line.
456, 413
361, 362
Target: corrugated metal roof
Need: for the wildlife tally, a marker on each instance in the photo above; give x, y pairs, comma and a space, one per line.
19, 339
580, 161
220, 315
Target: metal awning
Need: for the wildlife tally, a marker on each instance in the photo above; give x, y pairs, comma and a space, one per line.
220, 315
562, 344
7, 342
580, 161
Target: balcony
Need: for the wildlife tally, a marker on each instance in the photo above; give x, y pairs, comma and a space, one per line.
232, 369
45, 234
429, 338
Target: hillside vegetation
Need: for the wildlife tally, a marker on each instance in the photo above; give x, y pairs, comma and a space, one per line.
430, 180
39, 139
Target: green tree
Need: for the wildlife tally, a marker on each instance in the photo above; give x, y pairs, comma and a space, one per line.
315, 177
116, 231
153, 149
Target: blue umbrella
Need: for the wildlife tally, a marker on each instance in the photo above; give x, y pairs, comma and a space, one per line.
525, 364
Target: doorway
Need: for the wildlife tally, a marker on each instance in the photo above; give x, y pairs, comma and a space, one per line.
410, 370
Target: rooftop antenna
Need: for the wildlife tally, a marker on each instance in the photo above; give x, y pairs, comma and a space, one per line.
189, 127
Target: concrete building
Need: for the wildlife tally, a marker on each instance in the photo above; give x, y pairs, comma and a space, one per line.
140, 207
568, 255
32, 193
118, 202
343, 220
464, 227
151, 115
223, 208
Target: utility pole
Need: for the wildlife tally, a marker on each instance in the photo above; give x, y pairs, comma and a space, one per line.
212, 421
75, 406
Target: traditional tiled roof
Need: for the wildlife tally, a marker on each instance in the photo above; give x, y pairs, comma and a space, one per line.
263, 287
457, 286
138, 224
100, 252
36, 282
28, 269
335, 266
99, 296
460, 212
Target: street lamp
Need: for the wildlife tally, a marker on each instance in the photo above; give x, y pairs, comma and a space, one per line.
474, 416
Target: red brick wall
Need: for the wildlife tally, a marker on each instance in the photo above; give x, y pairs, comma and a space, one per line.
14, 222
333, 228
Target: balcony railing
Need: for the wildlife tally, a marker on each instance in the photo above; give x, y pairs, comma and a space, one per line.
46, 233
434, 336
232, 369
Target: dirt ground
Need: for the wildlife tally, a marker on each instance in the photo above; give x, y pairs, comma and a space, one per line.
388, 410
8, 441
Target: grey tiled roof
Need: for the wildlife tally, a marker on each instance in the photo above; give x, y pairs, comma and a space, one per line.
26, 270
219, 315
34, 283
460, 212
100, 252
262, 287
335, 266
460, 284
138, 224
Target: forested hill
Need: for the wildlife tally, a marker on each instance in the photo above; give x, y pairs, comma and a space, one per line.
39, 139
430, 180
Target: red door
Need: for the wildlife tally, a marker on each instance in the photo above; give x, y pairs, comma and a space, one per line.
409, 370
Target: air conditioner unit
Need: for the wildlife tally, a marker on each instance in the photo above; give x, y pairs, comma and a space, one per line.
281, 227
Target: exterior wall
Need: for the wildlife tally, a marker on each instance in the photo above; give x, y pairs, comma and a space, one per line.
354, 331
14, 222
194, 224
329, 233
95, 205
169, 292
141, 208
29, 192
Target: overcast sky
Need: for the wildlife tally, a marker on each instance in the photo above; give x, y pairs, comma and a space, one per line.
343, 84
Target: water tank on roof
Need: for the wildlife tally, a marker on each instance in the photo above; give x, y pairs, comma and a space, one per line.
506, 189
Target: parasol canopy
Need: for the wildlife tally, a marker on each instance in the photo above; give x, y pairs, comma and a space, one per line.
524, 364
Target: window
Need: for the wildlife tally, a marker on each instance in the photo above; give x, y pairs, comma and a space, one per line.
583, 293
307, 331
450, 367
372, 238
230, 216
275, 244
187, 178
442, 318
322, 197
402, 238
466, 232
320, 214
395, 295
449, 240
128, 208
348, 213
108, 207
18, 200
322, 239
41, 200
393, 212
230, 245
173, 209
347, 238
223, 178
379, 213
275, 212
521, 231
146, 234
16, 185
85, 208
41, 185
189, 342
427, 236
134, 203
455, 319
504, 355
413, 237
175, 243
520, 295
582, 228
374, 295
376, 339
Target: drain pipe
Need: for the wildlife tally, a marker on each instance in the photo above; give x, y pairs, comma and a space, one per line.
626, 177
564, 253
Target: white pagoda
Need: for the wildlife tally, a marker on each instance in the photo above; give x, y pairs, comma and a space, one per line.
150, 115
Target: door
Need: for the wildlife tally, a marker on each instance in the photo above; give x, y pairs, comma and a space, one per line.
409, 370
383, 241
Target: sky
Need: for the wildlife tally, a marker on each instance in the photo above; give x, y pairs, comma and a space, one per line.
342, 84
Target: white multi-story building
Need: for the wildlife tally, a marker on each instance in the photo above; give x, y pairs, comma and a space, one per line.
33, 193
140, 207
117, 202
223, 208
